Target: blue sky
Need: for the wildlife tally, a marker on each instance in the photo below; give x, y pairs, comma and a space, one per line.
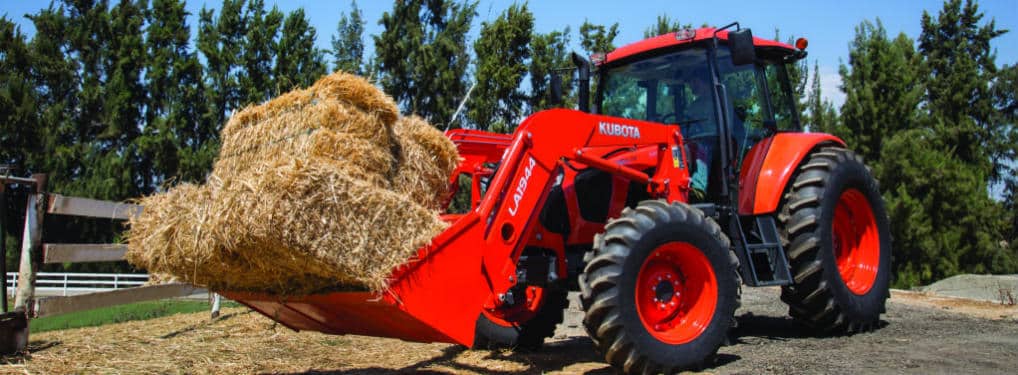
829, 25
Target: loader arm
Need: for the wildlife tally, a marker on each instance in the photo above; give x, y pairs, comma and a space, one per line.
438, 295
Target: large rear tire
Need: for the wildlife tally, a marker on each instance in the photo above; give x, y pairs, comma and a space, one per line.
660, 290
838, 243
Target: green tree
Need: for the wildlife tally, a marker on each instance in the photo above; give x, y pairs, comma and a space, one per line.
502, 51
420, 59
549, 53
941, 219
122, 110
178, 141
347, 43
1005, 93
257, 80
221, 43
820, 114
964, 99
54, 75
598, 38
19, 119
958, 66
595, 39
664, 25
882, 89
298, 62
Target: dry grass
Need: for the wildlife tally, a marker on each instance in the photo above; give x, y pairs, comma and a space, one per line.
319, 189
243, 342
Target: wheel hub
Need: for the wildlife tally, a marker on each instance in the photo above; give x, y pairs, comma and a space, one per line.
664, 291
676, 292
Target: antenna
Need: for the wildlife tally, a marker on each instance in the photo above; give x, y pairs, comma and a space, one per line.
460, 108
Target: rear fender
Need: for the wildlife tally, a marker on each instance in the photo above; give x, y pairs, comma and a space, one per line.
769, 166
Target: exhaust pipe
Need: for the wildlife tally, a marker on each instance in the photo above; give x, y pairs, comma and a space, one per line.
583, 74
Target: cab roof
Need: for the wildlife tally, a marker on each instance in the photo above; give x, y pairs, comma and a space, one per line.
670, 40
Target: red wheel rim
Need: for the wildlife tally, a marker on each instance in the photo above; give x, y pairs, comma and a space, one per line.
522, 311
856, 241
676, 293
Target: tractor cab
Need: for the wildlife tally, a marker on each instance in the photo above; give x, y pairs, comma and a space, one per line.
692, 80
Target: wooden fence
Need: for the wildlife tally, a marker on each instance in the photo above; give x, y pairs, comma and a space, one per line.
34, 252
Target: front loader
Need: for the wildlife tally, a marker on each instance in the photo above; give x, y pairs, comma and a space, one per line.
687, 177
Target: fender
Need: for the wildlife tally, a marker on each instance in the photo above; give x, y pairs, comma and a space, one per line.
769, 166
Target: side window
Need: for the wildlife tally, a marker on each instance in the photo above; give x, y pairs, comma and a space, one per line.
748, 109
780, 95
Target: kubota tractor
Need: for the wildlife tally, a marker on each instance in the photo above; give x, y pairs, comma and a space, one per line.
688, 176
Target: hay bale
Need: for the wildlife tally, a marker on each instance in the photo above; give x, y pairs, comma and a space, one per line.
287, 226
427, 159
311, 192
365, 158
359, 92
348, 90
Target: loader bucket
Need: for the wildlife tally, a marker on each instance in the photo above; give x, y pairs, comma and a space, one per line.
435, 298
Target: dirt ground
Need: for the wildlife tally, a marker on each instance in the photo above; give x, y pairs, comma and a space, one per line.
922, 334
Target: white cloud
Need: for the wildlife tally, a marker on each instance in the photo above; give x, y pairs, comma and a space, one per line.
829, 90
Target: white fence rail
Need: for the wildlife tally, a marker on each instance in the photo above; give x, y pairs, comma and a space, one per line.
67, 284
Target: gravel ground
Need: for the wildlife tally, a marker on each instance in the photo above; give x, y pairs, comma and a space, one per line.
922, 334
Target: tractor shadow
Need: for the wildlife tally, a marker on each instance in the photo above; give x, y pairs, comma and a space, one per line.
576, 354
782, 328
555, 356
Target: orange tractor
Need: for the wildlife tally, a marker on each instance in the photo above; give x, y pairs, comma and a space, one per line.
688, 176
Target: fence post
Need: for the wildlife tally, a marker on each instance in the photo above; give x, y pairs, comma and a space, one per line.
14, 325
3, 238
31, 246
215, 305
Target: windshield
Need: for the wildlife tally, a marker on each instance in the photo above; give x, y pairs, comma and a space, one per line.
673, 88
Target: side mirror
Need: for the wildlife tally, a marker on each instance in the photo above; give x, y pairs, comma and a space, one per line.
740, 42
556, 89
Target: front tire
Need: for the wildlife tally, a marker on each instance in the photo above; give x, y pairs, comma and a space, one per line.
839, 244
660, 290
495, 332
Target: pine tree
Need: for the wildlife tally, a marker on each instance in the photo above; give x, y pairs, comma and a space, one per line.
420, 59
347, 44
820, 114
882, 89
1005, 93
664, 25
257, 80
598, 38
19, 120
959, 65
502, 51
122, 110
179, 142
965, 115
298, 62
549, 54
221, 42
54, 76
